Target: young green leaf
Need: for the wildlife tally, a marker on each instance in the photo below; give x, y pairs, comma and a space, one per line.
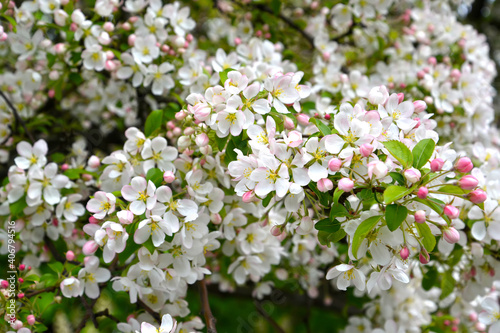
428, 239
325, 238
422, 152
328, 225
155, 175
400, 152
447, 285
223, 75
394, 192
153, 122
395, 215
325, 130
362, 231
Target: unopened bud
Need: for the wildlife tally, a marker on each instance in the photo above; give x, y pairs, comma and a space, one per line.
346, 184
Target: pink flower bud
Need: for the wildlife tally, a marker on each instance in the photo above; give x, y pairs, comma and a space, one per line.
455, 74
473, 316
288, 123
90, 247
237, 41
4, 284
412, 175
419, 106
451, 235
126, 26
334, 164
180, 115
216, 218
346, 184
108, 26
404, 253
420, 75
366, 149
419, 216
294, 139
20, 295
22, 267
432, 61
54, 75
468, 182
21, 280
464, 165
401, 97
303, 119
131, 40
17, 324
477, 196
188, 131
93, 220
70, 255
87, 176
168, 177
31, 320
378, 95
422, 192
437, 164
201, 140
424, 257
94, 161
276, 231
64, 167
451, 211
73, 27
428, 100
325, 185
125, 216
248, 196
51, 93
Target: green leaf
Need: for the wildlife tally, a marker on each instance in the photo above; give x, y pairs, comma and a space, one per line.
276, 6
75, 78
170, 111
395, 192
398, 177
74, 173
430, 278
395, 215
56, 266
400, 152
328, 225
267, 200
221, 142
336, 195
338, 210
428, 239
422, 152
447, 285
155, 175
326, 238
362, 231
58, 157
435, 207
51, 58
16, 208
223, 75
153, 122
324, 129
452, 189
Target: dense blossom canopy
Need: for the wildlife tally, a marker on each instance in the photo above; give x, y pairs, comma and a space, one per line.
317, 148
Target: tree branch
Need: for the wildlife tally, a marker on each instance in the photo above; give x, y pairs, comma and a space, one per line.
149, 310
44, 290
52, 248
205, 305
105, 313
88, 314
17, 118
277, 327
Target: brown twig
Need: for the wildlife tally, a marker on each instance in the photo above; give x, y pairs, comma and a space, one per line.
105, 313
88, 314
277, 327
205, 306
45, 290
52, 248
17, 118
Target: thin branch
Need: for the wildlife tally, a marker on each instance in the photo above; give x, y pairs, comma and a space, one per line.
90, 312
277, 327
345, 34
285, 19
205, 306
44, 290
17, 118
105, 313
149, 310
86, 317
52, 248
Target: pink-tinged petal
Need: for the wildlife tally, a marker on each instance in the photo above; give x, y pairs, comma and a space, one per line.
334, 143
94, 205
148, 328
129, 193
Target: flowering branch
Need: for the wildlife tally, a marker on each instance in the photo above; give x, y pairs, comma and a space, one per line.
17, 117
205, 305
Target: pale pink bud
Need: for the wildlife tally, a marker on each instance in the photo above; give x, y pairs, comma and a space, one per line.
51, 93
180, 115
94, 161
455, 74
346, 184
451, 211
125, 216
216, 218
378, 169
168, 177
276, 231
303, 119
451, 235
473, 316
437, 164
420, 75
188, 131
248, 196
325, 185
202, 140
73, 27
464, 165
288, 123
18, 324
64, 2
189, 38
207, 150
64, 167
404, 253
70, 255
133, 19
93, 220
422, 192
110, 65
366, 149
108, 26
131, 40
294, 139
334, 164
480, 326
419, 106
90, 247
87, 177
54, 75
401, 97
468, 182
424, 257
432, 61
477, 196
419, 216
237, 41
126, 26
428, 100
177, 131
412, 175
